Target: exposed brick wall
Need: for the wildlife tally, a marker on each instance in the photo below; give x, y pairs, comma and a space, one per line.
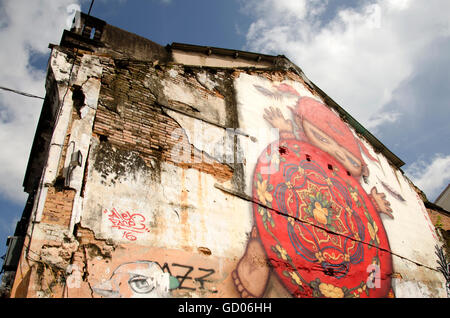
130, 118
437, 217
58, 206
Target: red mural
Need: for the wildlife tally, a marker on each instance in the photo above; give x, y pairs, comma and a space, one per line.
320, 232
130, 224
318, 227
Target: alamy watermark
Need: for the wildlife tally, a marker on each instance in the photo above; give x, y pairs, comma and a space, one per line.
231, 146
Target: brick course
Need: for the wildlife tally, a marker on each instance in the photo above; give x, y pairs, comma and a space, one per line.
58, 206
129, 116
437, 217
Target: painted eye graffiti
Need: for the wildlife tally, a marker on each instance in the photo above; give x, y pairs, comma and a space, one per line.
140, 285
353, 162
320, 137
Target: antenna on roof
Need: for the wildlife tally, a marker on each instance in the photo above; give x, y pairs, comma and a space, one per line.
90, 7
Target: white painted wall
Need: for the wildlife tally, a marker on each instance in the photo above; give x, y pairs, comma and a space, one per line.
411, 234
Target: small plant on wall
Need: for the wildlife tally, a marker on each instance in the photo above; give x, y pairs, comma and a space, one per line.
439, 225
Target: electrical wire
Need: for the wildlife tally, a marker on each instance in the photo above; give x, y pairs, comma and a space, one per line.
250, 199
35, 96
90, 7
20, 93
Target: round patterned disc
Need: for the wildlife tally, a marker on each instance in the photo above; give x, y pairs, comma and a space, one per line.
320, 231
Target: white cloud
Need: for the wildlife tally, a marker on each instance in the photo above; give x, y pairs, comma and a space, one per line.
372, 58
385, 117
359, 55
26, 30
432, 176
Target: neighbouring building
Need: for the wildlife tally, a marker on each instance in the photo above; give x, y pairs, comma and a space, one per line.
193, 171
439, 213
443, 199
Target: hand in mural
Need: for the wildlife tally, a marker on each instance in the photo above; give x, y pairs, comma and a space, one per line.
380, 202
276, 119
252, 272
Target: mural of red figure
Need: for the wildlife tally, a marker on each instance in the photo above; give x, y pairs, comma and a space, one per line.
315, 227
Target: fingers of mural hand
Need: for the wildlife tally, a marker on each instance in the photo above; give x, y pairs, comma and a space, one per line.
390, 214
279, 112
389, 210
272, 110
270, 113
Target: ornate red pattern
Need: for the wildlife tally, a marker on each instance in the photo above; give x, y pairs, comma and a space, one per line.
319, 228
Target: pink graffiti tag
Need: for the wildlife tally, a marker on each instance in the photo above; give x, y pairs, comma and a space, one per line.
129, 223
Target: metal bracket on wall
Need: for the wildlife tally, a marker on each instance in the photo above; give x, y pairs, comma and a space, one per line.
76, 159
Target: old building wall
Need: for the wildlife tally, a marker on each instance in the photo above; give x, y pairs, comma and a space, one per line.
50, 243
197, 181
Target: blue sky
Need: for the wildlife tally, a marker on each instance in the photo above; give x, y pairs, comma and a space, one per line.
387, 62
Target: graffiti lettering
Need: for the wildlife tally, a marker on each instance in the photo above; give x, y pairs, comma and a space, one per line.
182, 278
202, 279
188, 274
130, 224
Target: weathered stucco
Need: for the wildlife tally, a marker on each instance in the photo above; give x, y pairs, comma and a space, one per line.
172, 196
191, 58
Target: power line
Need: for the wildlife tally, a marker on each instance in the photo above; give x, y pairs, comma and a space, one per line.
20, 93
35, 96
250, 199
90, 7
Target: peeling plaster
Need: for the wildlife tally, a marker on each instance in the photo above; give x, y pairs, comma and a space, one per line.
204, 79
212, 107
87, 77
131, 207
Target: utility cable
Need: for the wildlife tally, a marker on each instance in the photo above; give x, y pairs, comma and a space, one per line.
20, 93
250, 199
90, 7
